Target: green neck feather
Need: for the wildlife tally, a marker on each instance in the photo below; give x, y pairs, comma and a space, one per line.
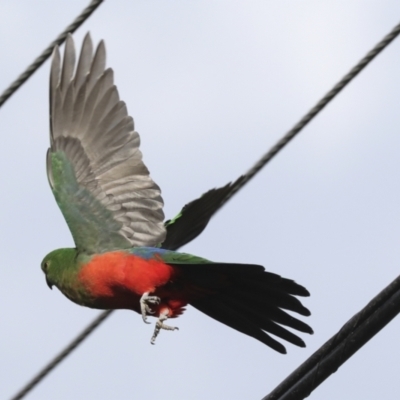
61, 268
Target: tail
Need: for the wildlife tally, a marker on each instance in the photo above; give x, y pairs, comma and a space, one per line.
250, 300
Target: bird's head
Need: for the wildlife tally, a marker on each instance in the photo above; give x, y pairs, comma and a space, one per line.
57, 264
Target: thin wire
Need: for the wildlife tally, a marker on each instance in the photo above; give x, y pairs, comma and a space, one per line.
85, 14
60, 357
337, 350
316, 109
249, 175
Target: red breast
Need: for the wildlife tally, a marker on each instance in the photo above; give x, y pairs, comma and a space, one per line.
118, 279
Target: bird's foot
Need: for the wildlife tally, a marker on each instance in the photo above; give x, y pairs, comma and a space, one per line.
145, 300
160, 325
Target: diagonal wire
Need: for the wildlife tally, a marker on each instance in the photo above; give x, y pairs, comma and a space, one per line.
85, 14
337, 350
317, 108
247, 177
76, 342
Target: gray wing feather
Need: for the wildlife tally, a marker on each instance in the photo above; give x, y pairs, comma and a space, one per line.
91, 126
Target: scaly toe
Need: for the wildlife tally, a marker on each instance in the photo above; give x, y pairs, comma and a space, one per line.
144, 305
153, 299
160, 325
149, 310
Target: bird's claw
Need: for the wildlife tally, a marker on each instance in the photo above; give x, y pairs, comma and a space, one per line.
145, 300
160, 325
149, 310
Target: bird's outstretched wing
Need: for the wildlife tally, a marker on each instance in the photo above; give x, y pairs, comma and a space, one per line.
94, 164
194, 216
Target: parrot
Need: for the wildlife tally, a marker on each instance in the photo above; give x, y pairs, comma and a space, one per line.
125, 255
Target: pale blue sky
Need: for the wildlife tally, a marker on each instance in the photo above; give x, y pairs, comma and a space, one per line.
212, 85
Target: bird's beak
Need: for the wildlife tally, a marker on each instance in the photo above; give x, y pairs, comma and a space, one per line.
49, 283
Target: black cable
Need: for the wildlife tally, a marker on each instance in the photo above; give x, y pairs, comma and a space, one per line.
316, 109
85, 14
337, 350
250, 174
56, 360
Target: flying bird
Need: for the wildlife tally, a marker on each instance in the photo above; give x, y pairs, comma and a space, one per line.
125, 254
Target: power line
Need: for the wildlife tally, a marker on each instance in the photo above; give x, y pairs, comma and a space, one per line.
317, 108
247, 177
337, 350
85, 14
76, 342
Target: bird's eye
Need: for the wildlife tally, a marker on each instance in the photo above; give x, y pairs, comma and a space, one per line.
45, 266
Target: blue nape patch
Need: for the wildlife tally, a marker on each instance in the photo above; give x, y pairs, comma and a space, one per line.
149, 252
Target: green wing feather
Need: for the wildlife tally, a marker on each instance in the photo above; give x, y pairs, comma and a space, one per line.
94, 164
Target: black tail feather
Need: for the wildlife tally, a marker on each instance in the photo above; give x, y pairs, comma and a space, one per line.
259, 317
250, 300
269, 308
235, 320
278, 283
259, 293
